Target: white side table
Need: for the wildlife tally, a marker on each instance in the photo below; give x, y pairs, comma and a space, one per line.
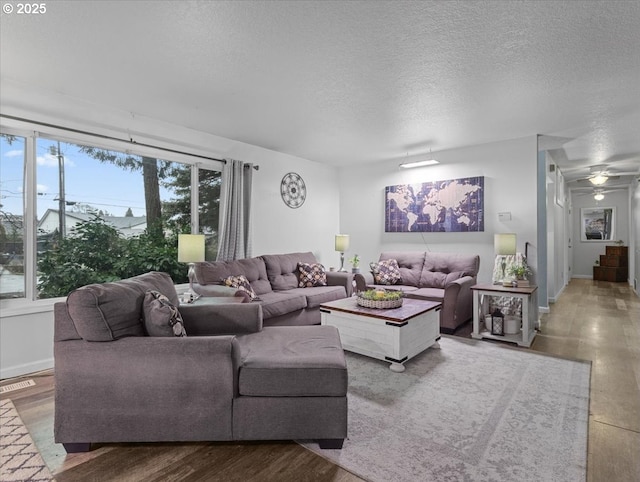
529, 297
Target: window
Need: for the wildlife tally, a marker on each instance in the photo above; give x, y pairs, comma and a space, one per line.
209, 183
101, 213
12, 167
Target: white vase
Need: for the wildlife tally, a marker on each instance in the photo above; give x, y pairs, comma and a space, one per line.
511, 325
488, 322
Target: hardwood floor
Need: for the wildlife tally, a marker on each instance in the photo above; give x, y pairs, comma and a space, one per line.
592, 320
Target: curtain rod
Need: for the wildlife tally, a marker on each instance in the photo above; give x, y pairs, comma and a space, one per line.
111, 138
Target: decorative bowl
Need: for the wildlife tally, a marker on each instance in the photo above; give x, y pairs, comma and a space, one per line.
379, 299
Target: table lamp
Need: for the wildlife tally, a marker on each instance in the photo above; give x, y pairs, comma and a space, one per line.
342, 244
191, 250
504, 244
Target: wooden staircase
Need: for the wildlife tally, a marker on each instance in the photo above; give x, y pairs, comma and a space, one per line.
614, 265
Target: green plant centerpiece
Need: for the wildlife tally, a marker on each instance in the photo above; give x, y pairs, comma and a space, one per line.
380, 298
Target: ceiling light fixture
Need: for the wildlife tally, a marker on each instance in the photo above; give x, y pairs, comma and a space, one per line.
598, 196
598, 179
409, 165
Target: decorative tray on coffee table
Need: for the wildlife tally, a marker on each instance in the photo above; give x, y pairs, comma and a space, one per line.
379, 299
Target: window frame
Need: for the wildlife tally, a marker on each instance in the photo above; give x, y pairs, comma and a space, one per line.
31, 132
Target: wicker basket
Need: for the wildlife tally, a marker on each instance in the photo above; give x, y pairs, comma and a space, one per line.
379, 304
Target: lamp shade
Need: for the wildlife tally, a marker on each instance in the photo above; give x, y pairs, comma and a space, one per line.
190, 248
504, 243
342, 242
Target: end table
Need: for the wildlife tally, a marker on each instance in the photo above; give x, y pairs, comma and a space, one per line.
529, 297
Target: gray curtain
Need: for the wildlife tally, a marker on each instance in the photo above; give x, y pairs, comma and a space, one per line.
234, 228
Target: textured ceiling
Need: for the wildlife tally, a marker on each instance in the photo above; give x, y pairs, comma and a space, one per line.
351, 82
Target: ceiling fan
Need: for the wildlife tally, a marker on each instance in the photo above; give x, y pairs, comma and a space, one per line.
601, 173
598, 194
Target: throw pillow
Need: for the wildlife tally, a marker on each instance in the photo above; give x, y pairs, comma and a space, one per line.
386, 272
241, 283
311, 274
161, 317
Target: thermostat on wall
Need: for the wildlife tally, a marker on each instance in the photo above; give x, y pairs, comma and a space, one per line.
504, 216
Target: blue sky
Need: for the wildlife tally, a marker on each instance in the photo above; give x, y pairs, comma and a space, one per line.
88, 181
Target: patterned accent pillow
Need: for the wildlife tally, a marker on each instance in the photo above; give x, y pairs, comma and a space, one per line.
311, 274
386, 272
161, 317
241, 283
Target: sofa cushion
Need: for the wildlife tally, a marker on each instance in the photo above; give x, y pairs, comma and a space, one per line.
320, 294
436, 279
282, 269
252, 268
431, 294
279, 303
241, 283
161, 317
109, 311
311, 274
410, 264
386, 272
300, 361
467, 264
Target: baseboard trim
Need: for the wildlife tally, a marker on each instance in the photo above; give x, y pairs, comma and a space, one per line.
582, 276
25, 368
555, 298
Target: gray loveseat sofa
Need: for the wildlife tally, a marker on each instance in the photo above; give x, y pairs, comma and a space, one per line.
444, 277
227, 379
274, 279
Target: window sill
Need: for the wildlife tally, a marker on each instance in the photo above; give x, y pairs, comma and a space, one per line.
22, 306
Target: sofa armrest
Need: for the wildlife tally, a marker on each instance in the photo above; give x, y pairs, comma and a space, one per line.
363, 280
338, 278
466, 282
145, 388
221, 318
458, 302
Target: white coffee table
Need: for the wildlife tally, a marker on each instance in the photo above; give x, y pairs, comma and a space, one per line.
393, 335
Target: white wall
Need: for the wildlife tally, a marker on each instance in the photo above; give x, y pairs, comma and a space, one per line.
585, 253
312, 226
509, 168
27, 340
26, 343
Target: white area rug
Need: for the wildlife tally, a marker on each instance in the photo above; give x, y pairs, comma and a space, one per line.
19, 457
470, 411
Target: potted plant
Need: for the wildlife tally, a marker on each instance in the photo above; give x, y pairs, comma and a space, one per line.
520, 271
355, 263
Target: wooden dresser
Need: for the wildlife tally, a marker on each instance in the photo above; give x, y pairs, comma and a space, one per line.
614, 265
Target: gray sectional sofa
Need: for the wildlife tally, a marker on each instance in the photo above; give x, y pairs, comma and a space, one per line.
274, 278
443, 277
228, 379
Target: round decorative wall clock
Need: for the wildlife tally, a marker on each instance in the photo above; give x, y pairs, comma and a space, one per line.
293, 190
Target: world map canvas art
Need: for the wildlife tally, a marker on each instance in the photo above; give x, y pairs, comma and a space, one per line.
451, 206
